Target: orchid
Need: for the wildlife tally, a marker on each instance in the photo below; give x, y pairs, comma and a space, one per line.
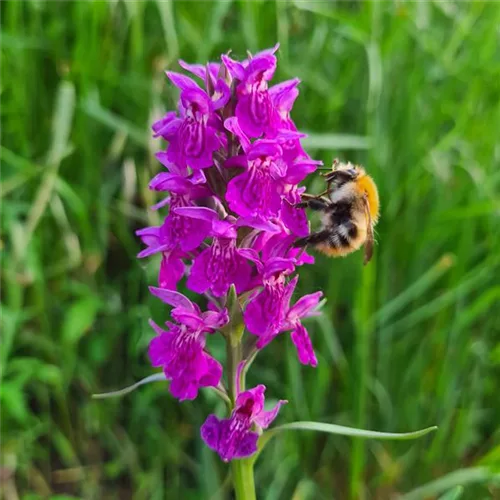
231, 170
236, 436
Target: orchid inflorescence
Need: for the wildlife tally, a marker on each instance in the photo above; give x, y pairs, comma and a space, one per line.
233, 165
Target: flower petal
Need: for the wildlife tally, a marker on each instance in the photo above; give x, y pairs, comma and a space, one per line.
304, 305
197, 69
234, 127
198, 280
247, 445
181, 81
251, 401
172, 298
265, 418
235, 68
171, 271
284, 94
211, 431
215, 319
203, 213
302, 341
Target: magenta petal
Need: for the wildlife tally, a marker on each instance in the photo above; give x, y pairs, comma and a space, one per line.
197, 69
289, 289
265, 418
163, 158
270, 51
170, 182
213, 373
300, 169
278, 265
235, 68
305, 351
156, 328
261, 67
191, 319
221, 95
171, 271
264, 314
264, 147
254, 113
196, 232
295, 219
258, 223
247, 445
224, 229
198, 281
210, 432
158, 350
203, 213
254, 194
284, 94
251, 399
215, 319
181, 81
184, 388
304, 305
172, 298
234, 127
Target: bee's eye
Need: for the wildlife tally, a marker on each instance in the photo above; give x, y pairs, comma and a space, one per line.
352, 172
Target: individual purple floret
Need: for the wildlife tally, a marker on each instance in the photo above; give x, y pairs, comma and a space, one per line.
236, 436
180, 350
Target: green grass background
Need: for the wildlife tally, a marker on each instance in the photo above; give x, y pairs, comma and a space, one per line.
411, 90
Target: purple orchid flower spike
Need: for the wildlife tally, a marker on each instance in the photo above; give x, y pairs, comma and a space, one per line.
237, 436
218, 267
180, 350
232, 169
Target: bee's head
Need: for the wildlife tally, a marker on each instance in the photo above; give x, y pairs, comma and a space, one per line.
342, 173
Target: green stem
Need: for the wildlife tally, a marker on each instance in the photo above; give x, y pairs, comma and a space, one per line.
242, 472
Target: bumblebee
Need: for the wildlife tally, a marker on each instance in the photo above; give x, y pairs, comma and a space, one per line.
349, 213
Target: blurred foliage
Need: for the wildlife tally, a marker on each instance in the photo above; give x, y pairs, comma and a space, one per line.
408, 89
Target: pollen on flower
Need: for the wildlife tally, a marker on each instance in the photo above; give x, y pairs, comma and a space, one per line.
231, 167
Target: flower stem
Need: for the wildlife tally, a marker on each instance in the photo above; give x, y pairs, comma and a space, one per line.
242, 472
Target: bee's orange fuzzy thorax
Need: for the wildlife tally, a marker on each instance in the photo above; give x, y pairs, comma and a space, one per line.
333, 252
366, 186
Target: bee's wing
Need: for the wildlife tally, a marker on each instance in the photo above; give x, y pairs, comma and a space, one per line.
369, 232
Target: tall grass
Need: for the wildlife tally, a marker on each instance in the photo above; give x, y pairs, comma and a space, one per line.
408, 89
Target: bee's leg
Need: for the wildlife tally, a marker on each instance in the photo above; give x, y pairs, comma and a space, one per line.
313, 203
313, 239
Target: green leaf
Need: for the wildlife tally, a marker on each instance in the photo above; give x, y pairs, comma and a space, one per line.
351, 431
341, 430
156, 377
453, 494
455, 478
79, 318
